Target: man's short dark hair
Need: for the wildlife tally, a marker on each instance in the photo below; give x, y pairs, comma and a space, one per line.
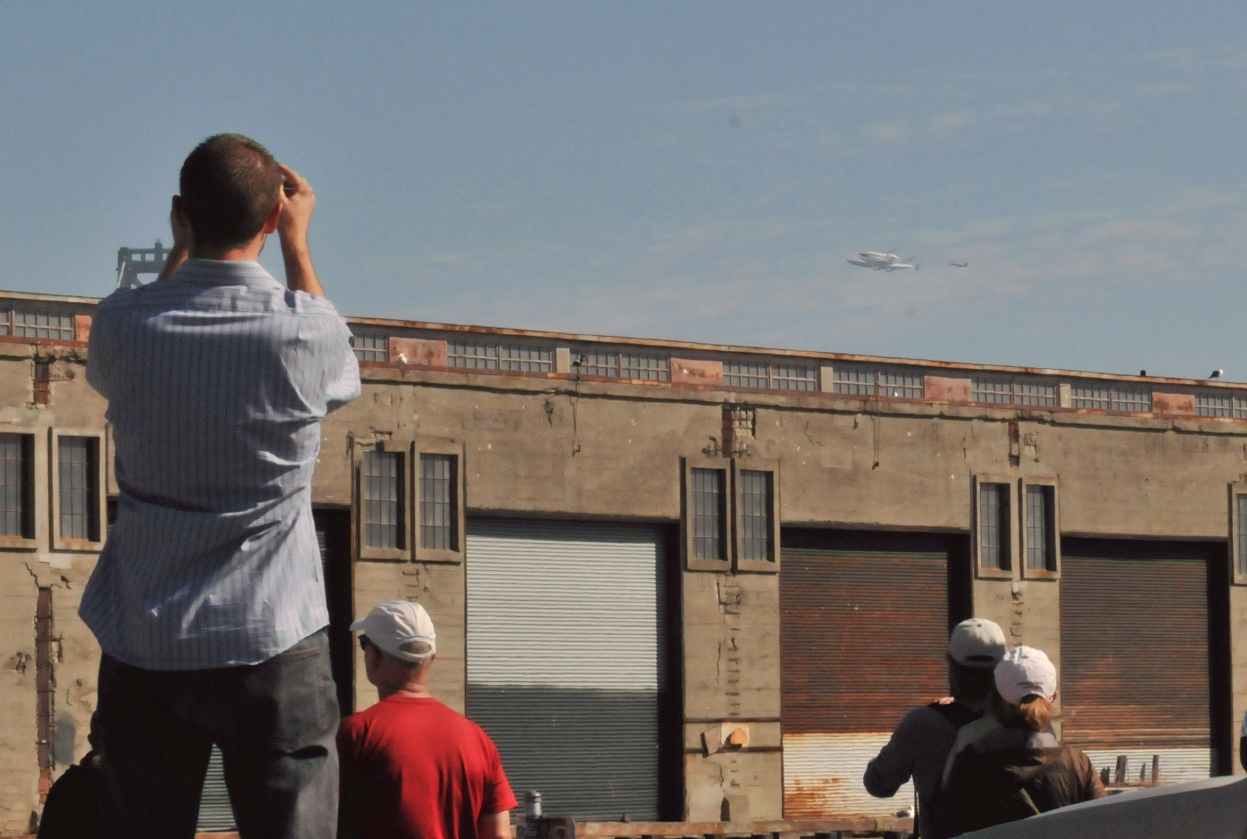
229, 185
971, 684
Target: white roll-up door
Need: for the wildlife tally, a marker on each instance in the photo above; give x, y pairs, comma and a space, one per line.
565, 660
215, 813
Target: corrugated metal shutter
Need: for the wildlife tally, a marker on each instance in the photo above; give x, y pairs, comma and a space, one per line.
565, 660
215, 813
1134, 660
863, 642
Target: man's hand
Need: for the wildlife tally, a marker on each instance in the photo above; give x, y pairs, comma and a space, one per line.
297, 203
182, 240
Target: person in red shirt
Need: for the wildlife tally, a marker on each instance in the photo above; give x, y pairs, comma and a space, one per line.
411, 767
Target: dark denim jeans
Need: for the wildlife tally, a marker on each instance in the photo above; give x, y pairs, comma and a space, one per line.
275, 723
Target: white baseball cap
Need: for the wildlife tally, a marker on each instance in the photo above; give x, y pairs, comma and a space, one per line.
400, 628
1023, 672
977, 643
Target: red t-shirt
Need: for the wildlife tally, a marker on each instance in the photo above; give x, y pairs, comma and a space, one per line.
411, 767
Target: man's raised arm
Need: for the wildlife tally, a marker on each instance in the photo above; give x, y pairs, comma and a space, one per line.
298, 201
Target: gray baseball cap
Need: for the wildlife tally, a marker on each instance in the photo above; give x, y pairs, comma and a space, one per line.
977, 642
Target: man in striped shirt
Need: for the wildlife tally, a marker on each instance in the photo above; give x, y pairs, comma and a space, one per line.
208, 599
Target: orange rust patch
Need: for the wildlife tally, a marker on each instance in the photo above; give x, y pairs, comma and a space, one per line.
687, 372
418, 352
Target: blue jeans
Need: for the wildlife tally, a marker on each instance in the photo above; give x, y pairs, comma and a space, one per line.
275, 723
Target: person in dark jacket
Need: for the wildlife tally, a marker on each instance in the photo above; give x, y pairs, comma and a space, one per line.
1019, 769
920, 744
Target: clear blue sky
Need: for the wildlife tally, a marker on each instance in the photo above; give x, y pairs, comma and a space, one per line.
694, 171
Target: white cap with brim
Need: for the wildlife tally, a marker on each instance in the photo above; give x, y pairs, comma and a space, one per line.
400, 628
1023, 672
977, 642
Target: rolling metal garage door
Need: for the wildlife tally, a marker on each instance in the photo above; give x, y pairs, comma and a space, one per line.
565, 660
864, 637
1134, 662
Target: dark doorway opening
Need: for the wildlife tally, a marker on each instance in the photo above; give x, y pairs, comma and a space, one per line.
333, 534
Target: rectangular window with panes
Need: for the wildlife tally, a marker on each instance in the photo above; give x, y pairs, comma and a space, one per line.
750, 374
78, 490
731, 514
756, 515
1039, 532
439, 501
28, 323
485, 355
763, 376
1214, 404
644, 367
624, 365
794, 377
472, 355
1103, 396
439, 514
371, 347
708, 516
526, 359
17, 513
994, 538
891, 383
382, 493
991, 391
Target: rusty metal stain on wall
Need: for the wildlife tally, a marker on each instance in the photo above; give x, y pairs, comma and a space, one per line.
823, 776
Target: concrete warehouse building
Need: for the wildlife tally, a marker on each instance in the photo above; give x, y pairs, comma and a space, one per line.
692, 582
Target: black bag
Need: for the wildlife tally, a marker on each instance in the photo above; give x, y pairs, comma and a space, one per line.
72, 809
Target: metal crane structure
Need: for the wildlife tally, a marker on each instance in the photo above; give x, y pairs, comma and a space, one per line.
134, 261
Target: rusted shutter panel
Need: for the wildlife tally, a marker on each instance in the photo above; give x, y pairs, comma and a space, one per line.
1134, 658
864, 638
863, 642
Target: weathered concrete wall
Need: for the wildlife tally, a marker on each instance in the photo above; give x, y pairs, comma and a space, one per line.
440, 589
731, 673
536, 446
68, 403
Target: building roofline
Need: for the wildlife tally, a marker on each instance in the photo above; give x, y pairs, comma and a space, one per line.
709, 348
812, 355
53, 298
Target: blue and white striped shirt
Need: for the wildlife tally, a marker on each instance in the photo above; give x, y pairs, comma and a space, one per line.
216, 380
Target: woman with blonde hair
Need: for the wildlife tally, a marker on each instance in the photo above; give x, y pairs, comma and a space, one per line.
1019, 769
